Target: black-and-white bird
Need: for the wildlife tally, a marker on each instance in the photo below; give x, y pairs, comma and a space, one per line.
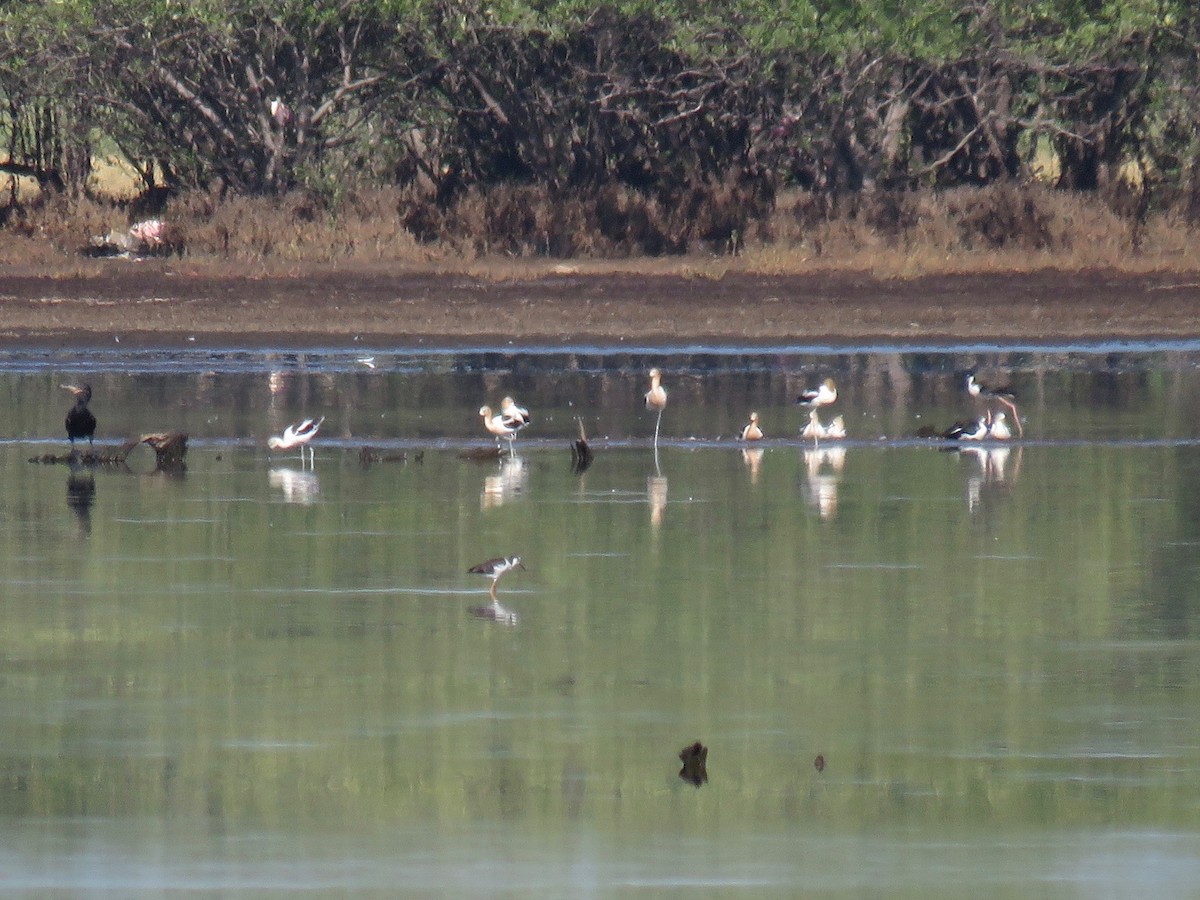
494, 568
990, 398
80, 421
518, 416
499, 425
967, 431
298, 434
822, 395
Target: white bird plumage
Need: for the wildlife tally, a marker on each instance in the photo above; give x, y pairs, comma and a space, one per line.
298, 434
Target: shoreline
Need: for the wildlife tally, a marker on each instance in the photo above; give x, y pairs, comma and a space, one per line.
165, 303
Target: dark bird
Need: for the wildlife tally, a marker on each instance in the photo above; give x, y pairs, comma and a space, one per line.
494, 568
991, 398
80, 421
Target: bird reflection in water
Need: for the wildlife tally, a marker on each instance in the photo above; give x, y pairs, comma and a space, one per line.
824, 473
510, 482
494, 612
695, 764
656, 494
81, 494
993, 475
301, 487
753, 459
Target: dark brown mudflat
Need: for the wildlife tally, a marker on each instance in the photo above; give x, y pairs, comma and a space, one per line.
161, 303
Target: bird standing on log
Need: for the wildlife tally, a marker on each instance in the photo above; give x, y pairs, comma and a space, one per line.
80, 421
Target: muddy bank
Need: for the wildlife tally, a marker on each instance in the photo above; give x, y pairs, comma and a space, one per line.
162, 304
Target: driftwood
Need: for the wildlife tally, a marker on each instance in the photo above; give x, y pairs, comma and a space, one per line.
581, 454
170, 448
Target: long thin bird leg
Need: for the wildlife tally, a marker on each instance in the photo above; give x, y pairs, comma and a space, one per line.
1016, 417
657, 422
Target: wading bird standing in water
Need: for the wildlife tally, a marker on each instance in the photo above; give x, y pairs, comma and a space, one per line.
494, 568
298, 435
499, 425
80, 421
993, 397
656, 399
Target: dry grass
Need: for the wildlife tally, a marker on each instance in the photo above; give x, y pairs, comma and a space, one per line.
520, 232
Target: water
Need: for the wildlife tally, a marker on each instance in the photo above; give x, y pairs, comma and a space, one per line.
252, 679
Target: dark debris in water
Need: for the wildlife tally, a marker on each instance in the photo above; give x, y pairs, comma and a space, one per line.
581, 454
695, 764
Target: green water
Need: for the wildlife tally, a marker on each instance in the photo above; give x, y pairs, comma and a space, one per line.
252, 679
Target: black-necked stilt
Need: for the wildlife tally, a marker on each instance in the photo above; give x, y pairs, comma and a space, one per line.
752, 431
992, 397
298, 434
494, 568
967, 431
822, 395
499, 425
80, 421
656, 399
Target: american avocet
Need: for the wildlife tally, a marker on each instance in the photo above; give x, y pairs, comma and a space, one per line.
297, 434
814, 429
499, 425
517, 416
752, 431
992, 397
80, 421
656, 399
836, 430
494, 568
822, 395
999, 428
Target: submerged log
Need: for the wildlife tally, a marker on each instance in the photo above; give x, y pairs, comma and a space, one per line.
88, 459
169, 449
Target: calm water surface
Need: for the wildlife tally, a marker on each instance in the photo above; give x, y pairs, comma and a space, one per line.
252, 678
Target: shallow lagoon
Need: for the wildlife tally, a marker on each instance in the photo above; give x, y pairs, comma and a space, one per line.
252, 678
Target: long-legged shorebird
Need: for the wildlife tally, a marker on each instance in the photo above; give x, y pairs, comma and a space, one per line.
656, 399
298, 434
991, 398
814, 429
500, 426
752, 431
80, 421
494, 568
967, 431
